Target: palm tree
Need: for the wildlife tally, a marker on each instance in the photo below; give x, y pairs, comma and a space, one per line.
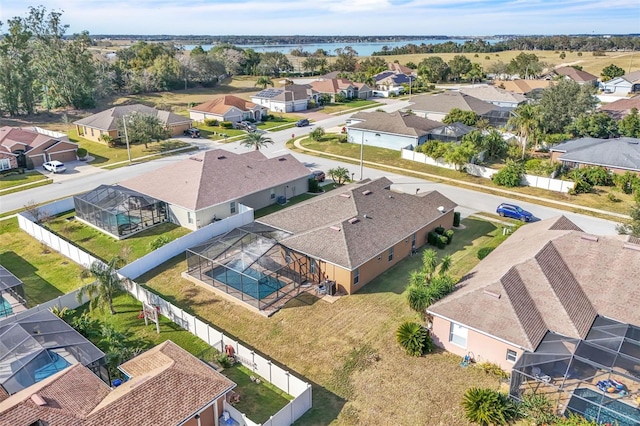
264, 81
340, 175
106, 286
429, 263
487, 407
524, 121
256, 140
414, 338
418, 297
445, 265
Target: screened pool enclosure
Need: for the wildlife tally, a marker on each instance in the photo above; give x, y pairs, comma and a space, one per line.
12, 298
249, 264
597, 378
40, 345
119, 211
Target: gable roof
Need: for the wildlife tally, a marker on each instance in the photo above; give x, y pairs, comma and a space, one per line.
523, 86
618, 153
353, 224
215, 177
108, 119
393, 66
632, 77
288, 93
547, 276
622, 107
393, 76
397, 123
334, 85
15, 138
76, 397
445, 102
575, 74
493, 94
222, 105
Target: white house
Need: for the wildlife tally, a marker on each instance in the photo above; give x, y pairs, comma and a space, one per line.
291, 98
628, 83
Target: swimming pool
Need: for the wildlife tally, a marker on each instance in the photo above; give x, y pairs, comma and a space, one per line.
251, 281
5, 308
613, 411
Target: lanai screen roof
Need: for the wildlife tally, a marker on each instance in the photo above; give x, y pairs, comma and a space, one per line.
7, 279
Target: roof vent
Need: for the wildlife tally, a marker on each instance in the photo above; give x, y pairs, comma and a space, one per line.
390, 196
38, 400
354, 220
345, 195
365, 216
367, 192
441, 209
334, 228
589, 237
492, 294
222, 157
196, 159
282, 159
630, 246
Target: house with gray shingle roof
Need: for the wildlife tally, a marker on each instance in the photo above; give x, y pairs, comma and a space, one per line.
548, 277
391, 83
628, 83
617, 154
290, 98
495, 95
106, 122
354, 233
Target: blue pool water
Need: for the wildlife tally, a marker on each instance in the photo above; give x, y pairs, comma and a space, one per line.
613, 411
252, 282
57, 363
123, 219
5, 308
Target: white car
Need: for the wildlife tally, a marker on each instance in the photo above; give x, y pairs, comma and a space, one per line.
54, 166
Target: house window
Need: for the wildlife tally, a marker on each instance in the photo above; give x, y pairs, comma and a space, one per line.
189, 217
273, 193
5, 164
511, 355
390, 254
232, 206
458, 335
313, 267
91, 130
413, 241
356, 276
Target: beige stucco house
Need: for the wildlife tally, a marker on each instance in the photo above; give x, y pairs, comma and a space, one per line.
26, 147
228, 108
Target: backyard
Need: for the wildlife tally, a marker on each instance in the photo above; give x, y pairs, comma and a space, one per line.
347, 349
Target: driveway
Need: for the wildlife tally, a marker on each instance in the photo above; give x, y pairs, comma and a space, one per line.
75, 169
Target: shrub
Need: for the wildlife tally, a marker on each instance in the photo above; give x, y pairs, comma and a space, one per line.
158, 242
313, 185
484, 252
224, 360
81, 152
317, 134
627, 182
414, 338
456, 219
442, 241
211, 122
226, 125
488, 407
611, 197
493, 369
597, 176
432, 238
449, 234
538, 167
581, 184
439, 230
510, 175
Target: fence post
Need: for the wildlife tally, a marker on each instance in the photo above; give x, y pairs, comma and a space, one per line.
269, 364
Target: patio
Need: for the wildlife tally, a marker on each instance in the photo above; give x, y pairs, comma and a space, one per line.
598, 377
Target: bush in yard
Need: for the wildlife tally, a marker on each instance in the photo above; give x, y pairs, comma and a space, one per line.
158, 242
627, 182
597, 176
414, 338
456, 219
488, 407
81, 152
432, 238
317, 134
580, 183
313, 185
510, 175
442, 241
211, 122
484, 252
449, 234
226, 125
439, 230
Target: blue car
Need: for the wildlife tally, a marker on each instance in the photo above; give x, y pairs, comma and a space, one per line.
514, 212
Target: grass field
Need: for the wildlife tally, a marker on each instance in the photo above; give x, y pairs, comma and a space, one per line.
10, 181
347, 349
597, 199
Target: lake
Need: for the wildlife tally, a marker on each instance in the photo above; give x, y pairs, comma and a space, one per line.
363, 49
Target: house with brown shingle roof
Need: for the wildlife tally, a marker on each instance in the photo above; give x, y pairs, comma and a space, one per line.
31, 147
356, 232
228, 108
571, 73
522, 86
495, 95
394, 130
342, 86
106, 122
546, 277
290, 98
215, 184
165, 386
621, 108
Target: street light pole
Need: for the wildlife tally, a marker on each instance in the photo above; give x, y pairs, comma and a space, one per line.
361, 154
126, 136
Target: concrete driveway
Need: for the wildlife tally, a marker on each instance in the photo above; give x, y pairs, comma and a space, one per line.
75, 169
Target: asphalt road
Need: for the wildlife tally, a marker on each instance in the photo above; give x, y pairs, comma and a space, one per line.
469, 201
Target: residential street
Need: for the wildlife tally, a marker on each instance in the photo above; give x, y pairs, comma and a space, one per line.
469, 201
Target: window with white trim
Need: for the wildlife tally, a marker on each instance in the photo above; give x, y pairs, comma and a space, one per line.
512, 356
5, 164
458, 335
413, 240
232, 207
390, 254
356, 276
273, 193
189, 217
313, 267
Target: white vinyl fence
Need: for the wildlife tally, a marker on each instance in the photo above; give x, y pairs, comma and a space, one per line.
282, 379
485, 172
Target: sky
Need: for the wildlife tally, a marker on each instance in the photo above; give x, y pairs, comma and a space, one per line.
340, 17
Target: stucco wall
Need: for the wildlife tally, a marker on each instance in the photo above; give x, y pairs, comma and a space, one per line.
382, 140
483, 347
262, 199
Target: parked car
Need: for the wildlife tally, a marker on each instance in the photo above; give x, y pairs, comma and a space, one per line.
54, 166
514, 212
302, 123
319, 175
192, 132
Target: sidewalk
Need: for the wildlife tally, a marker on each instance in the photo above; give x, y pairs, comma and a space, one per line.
469, 184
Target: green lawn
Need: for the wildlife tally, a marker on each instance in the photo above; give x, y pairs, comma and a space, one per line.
105, 247
339, 107
347, 349
291, 201
103, 155
10, 181
46, 274
257, 401
597, 199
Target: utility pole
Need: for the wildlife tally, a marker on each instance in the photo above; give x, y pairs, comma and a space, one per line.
126, 136
361, 155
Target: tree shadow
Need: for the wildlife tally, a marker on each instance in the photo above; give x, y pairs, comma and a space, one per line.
37, 290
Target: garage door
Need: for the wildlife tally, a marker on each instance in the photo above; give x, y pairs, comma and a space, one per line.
65, 157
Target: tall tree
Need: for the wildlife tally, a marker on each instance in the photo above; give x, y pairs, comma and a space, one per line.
475, 73
106, 286
17, 76
526, 65
433, 69
256, 141
373, 65
459, 66
142, 128
273, 63
347, 60
263, 82
611, 71
456, 115
630, 125
595, 125
525, 120
561, 103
